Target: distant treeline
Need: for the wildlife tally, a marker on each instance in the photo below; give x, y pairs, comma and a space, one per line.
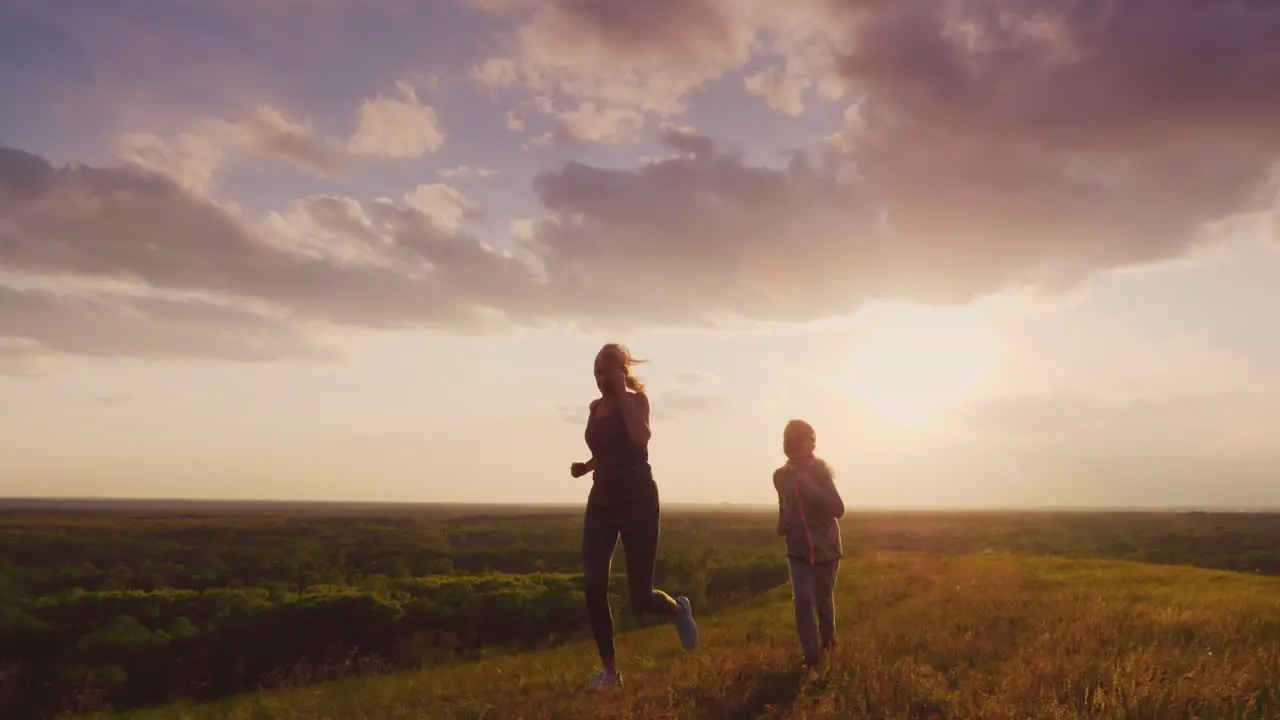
119, 609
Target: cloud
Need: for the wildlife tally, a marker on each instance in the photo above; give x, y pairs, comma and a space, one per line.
586, 122
197, 154
623, 59
1269, 219
781, 90
269, 132
445, 205
522, 230
115, 325
1101, 76
704, 235
1096, 75
466, 172
394, 127
654, 57
386, 127
192, 160
1082, 126
589, 122
326, 259
991, 146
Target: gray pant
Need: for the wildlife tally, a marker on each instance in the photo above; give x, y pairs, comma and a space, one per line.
814, 589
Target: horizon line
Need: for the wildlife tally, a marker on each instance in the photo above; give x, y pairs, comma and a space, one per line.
32, 501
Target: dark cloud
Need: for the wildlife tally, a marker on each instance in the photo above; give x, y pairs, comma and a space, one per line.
658, 27
114, 325
689, 143
686, 239
126, 224
1113, 76
1086, 134
994, 144
328, 262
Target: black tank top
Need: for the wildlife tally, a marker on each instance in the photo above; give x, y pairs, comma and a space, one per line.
622, 475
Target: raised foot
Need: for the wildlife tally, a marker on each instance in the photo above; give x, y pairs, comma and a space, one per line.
686, 625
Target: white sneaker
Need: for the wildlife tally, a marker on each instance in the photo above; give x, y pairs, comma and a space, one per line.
687, 628
603, 680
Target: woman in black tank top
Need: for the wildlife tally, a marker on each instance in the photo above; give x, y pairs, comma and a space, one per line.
623, 502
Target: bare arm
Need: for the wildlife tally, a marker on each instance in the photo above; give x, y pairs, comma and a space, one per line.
635, 412
579, 469
782, 524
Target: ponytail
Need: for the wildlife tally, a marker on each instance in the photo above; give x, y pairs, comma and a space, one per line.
633, 382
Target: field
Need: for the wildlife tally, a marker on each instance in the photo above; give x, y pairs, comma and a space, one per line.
264, 611
922, 637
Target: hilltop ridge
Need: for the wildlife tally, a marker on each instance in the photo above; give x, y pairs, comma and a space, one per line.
921, 636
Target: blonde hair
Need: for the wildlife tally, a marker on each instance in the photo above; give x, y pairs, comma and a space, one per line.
799, 428
623, 356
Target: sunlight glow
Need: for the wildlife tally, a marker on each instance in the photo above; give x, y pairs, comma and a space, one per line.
913, 361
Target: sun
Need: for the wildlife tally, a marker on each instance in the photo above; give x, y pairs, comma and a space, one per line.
911, 362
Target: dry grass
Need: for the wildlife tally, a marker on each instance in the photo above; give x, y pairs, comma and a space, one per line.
989, 636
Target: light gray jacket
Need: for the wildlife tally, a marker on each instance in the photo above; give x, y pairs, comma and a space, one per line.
809, 509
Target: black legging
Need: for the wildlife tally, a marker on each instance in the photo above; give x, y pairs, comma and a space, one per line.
638, 526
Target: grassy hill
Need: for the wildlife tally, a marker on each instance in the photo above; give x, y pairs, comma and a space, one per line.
922, 636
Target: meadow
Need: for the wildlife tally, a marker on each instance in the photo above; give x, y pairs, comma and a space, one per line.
264, 611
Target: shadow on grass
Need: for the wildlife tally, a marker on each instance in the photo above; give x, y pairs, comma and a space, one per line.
773, 690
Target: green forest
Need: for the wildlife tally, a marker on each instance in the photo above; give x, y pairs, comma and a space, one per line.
121, 606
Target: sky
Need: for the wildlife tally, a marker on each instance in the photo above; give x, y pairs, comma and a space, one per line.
998, 253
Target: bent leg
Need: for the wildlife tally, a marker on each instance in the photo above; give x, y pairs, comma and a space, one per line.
803, 595
599, 538
640, 530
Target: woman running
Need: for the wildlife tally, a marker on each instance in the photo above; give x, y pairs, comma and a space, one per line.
623, 502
